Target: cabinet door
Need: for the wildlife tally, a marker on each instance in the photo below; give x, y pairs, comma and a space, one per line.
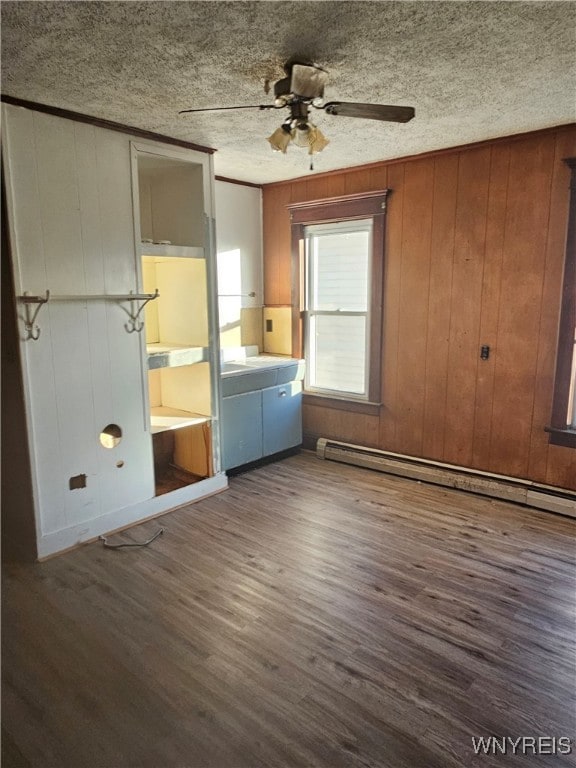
241, 429
282, 417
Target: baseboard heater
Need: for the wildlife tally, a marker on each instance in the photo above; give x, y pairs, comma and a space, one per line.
513, 489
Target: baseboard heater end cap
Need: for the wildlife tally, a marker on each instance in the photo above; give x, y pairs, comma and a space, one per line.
321, 447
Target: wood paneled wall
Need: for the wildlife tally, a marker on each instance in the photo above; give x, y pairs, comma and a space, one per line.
474, 255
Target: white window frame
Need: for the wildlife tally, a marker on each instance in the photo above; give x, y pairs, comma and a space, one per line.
310, 312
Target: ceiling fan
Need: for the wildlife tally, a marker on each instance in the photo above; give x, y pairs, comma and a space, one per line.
303, 89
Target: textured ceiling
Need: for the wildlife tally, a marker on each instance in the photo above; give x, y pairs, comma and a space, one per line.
472, 70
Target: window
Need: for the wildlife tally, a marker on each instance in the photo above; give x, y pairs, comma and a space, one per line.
563, 427
338, 250
337, 312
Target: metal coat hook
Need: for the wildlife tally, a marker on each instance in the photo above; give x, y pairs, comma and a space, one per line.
134, 324
32, 330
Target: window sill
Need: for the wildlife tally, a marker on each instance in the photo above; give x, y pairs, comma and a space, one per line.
564, 437
342, 404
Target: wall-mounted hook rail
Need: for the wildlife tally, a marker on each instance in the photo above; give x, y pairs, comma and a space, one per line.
134, 324
30, 315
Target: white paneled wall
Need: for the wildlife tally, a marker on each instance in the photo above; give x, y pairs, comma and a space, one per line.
73, 235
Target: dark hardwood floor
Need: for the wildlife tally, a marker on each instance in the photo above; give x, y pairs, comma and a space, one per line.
313, 615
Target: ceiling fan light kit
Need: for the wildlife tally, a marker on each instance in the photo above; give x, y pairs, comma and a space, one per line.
299, 91
310, 136
280, 139
303, 134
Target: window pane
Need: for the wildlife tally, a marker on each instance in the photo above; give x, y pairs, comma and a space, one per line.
337, 353
339, 269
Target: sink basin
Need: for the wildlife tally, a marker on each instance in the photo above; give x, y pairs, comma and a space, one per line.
267, 361
254, 363
259, 372
231, 368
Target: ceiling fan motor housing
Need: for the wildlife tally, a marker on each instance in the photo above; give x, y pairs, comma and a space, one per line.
304, 82
308, 81
282, 87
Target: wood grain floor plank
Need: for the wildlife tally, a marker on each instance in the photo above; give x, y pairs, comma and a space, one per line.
314, 615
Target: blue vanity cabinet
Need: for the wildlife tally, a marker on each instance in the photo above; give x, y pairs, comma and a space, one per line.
261, 408
241, 429
281, 417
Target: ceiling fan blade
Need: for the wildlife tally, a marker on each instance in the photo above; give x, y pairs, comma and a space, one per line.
220, 109
370, 111
307, 81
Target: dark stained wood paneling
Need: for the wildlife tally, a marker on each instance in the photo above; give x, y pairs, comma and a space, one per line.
527, 216
318, 188
465, 302
379, 177
331, 422
482, 236
413, 309
276, 243
284, 271
561, 467
359, 180
490, 302
443, 193
315, 614
299, 191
